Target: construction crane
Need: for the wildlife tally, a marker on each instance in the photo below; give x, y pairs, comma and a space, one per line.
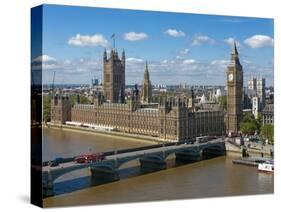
53, 88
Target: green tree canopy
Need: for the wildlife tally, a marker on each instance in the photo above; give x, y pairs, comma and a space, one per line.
222, 101
248, 127
267, 132
249, 124
248, 117
83, 100
46, 108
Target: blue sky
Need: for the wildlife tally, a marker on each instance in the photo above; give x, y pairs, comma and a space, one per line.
179, 47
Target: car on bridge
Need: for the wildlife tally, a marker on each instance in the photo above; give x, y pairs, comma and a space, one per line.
90, 158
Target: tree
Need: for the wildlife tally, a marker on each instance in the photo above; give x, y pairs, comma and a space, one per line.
83, 100
259, 120
249, 124
248, 117
46, 108
248, 127
267, 132
222, 101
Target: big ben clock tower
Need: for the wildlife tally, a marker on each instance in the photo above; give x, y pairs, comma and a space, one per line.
234, 92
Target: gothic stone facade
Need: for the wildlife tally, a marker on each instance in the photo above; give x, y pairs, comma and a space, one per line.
146, 92
170, 120
268, 114
114, 77
60, 109
234, 92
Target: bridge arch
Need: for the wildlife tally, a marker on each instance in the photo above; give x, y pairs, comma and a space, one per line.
125, 163
53, 175
119, 163
161, 156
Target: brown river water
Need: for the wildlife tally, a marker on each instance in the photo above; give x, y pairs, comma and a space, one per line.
209, 178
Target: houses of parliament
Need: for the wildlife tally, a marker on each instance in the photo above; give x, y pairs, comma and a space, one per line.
171, 119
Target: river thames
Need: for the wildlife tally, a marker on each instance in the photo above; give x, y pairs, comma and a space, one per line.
209, 178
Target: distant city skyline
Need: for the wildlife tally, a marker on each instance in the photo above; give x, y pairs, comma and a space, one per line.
180, 48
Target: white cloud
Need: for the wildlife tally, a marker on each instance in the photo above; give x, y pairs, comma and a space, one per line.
44, 62
44, 58
80, 66
167, 71
220, 62
231, 40
259, 41
134, 60
88, 40
175, 33
184, 51
246, 61
67, 61
189, 61
201, 39
64, 67
135, 36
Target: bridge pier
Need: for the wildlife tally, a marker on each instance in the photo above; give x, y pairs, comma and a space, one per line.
48, 189
189, 156
214, 151
47, 185
102, 175
152, 163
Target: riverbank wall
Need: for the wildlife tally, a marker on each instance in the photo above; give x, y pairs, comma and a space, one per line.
237, 150
230, 148
142, 138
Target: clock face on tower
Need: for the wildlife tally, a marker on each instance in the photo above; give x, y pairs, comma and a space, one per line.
230, 77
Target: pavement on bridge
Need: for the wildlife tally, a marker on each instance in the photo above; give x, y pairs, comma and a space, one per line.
128, 154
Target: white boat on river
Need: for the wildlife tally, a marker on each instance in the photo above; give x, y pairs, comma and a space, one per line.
267, 166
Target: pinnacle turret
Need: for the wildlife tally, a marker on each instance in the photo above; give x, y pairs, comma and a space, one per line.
146, 87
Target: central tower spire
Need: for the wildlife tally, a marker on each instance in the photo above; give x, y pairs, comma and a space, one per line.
146, 93
146, 73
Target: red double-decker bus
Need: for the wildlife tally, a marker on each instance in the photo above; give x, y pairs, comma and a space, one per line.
90, 158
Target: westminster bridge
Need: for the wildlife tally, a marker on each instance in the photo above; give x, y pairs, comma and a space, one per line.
153, 159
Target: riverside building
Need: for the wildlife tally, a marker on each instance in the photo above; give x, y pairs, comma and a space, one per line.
171, 119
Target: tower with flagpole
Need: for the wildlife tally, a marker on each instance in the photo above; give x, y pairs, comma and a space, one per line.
114, 75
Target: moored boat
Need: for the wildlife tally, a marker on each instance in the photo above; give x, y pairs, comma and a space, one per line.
267, 166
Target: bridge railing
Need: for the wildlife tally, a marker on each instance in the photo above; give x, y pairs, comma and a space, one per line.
108, 153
